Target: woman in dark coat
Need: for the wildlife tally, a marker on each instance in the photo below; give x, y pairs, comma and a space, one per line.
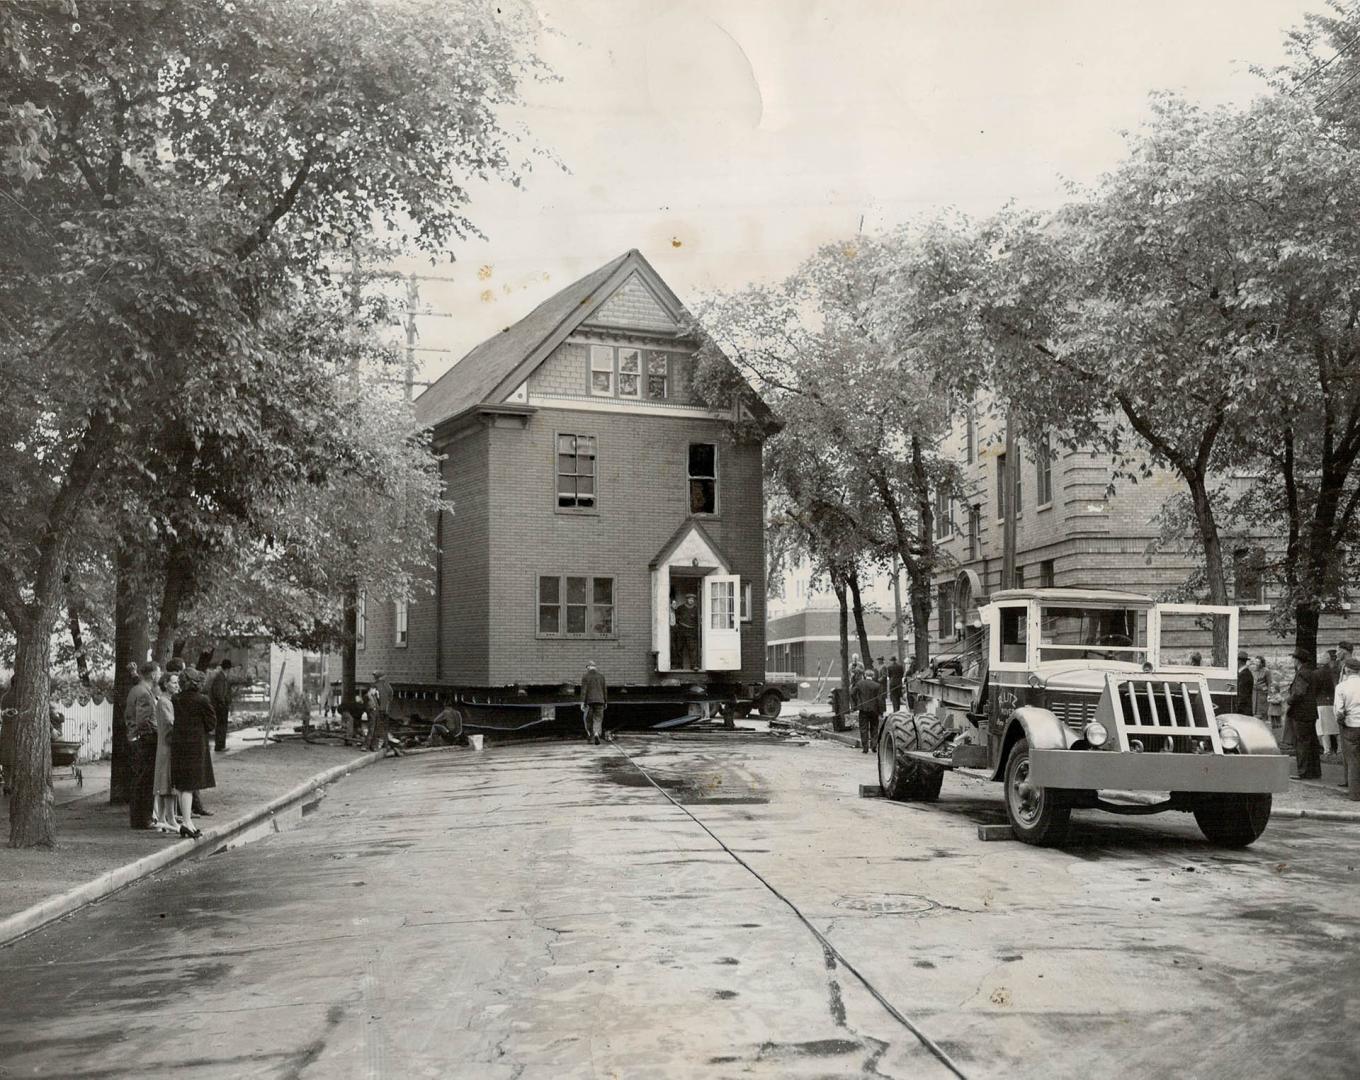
195, 719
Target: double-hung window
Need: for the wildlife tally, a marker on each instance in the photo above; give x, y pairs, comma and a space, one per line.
658, 376
703, 478
572, 605
630, 373
576, 472
361, 621
944, 514
602, 370
1043, 468
402, 624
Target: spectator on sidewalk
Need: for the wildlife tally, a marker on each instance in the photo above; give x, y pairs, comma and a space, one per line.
1326, 690
870, 701
1260, 690
165, 814
176, 665
896, 673
1301, 715
195, 723
379, 711
219, 693
1347, 704
140, 717
1246, 686
594, 698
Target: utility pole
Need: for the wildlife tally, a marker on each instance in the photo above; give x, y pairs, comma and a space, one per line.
412, 306
1010, 477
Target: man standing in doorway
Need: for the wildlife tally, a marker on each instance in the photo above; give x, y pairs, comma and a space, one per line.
594, 697
219, 693
869, 693
687, 633
896, 673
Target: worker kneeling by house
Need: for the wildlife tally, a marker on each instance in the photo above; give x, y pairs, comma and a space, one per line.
869, 692
447, 728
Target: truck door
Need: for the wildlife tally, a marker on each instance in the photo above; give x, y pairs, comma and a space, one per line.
721, 628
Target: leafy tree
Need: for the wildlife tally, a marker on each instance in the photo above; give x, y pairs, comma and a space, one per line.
167, 172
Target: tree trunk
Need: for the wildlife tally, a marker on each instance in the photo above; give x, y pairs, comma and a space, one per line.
348, 657
78, 644
130, 635
1306, 618
857, 606
838, 587
918, 592
178, 575
31, 822
1208, 535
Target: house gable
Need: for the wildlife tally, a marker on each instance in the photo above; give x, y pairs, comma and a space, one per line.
635, 306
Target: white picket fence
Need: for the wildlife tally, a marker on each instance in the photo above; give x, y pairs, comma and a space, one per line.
90, 721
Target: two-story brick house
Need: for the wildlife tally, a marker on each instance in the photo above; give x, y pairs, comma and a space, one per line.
593, 496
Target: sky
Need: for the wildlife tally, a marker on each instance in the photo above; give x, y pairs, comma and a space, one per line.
727, 139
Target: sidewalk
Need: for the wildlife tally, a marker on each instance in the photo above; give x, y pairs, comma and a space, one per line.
93, 837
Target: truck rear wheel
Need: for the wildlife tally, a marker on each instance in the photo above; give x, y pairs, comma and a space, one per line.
903, 778
1232, 820
771, 704
1038, 815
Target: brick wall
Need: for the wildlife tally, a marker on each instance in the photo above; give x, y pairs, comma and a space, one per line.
641, 468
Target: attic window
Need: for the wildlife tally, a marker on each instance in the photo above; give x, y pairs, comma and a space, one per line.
630, 373
602, 370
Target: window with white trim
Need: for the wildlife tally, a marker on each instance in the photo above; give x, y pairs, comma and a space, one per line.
703, 478
571, 605
361, 621
402, 625
658, 375
602, 370
630, 373
944, 514
576, 489
745, 601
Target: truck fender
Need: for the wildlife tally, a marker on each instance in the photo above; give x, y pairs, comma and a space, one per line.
1038, 727
1257, 738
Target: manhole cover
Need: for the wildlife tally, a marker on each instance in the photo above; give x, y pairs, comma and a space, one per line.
888, 904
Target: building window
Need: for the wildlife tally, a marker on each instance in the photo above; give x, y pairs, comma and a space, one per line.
602, 370
575, 606
1019, 577
361, 621
1002, 502
630, 373
745, 601
1249, 578
944, 602
703, 478
1043, 469
576, 472
402, 625
974, 532
1046, 574
658, 375
970, 434
944, 514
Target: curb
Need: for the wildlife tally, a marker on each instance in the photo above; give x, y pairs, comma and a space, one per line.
54, 907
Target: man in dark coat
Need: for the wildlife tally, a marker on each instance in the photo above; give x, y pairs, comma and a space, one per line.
896, 673
140, 717
869, 697
594, 698
1246, 685
1301, 716
219, 693
686, 635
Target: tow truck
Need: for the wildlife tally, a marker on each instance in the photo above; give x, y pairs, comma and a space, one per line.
1066, 696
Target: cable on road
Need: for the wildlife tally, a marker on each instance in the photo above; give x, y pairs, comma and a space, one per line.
892, 1010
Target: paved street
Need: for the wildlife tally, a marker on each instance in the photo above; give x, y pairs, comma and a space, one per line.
544, 911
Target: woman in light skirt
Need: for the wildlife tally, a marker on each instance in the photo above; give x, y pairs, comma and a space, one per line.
165, 815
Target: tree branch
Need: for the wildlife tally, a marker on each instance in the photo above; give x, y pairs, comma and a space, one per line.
251, 243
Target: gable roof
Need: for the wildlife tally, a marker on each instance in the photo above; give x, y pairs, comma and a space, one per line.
491, 372
687, 528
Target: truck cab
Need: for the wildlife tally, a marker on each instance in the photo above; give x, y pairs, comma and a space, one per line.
1062, 694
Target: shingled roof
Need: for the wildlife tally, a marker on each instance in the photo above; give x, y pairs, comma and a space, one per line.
474, 379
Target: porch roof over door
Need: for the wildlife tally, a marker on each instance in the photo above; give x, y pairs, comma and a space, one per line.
688, 545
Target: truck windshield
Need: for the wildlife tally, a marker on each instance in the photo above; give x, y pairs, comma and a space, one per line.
1072, 633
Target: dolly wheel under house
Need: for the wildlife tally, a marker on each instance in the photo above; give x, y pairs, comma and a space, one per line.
1232, 820
1038, 815
771, 704
902, 778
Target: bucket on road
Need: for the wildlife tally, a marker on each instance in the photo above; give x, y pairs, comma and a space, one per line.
475, 741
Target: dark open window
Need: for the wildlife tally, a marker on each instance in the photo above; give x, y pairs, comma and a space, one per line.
1249, 575
703, 478
944, 601
1043, 468
974, 532
576, 472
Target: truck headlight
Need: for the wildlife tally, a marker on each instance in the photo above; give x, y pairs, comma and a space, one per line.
1095, 733
1228, 736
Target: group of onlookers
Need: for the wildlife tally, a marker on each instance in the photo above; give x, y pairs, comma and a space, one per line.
172, 719
1322, 703
871, 690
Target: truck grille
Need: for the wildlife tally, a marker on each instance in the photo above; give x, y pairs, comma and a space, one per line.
1165, 714
1074, 710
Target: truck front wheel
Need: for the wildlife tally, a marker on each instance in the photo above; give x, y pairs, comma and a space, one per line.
903, 778
771, 704
1232, 820
1038, 815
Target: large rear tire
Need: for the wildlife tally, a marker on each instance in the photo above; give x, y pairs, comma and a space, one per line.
1037, 815
1232, 820
771, 704
903, 778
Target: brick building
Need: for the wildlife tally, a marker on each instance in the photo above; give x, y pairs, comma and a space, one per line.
592, 493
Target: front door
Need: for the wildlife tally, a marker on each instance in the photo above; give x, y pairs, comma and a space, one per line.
721, 647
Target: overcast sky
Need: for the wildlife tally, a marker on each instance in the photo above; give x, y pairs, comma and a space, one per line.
726, 139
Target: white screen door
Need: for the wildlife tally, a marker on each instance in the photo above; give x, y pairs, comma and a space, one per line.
721, 634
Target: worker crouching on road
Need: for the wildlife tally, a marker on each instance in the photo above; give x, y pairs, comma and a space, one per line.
594, 697
869, 693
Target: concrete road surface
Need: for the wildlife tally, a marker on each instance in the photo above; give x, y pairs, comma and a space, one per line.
544, 911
